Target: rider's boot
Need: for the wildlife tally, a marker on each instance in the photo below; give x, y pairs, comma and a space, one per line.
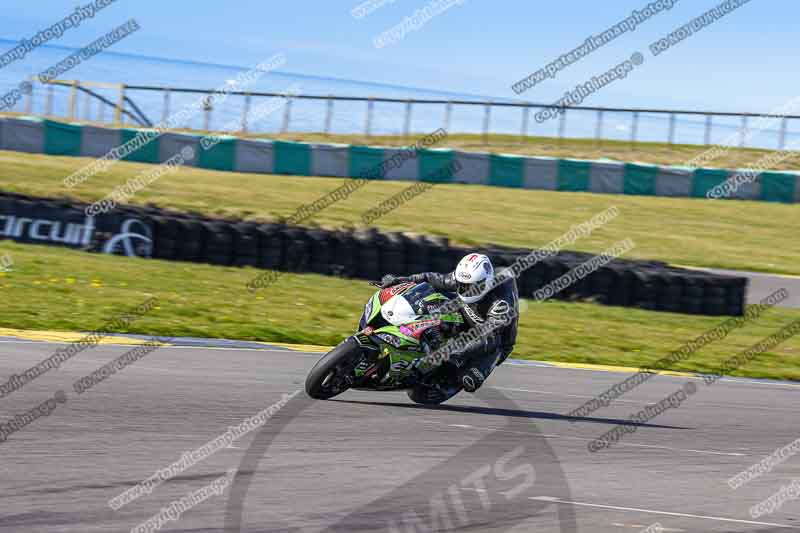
438, 390
432, 394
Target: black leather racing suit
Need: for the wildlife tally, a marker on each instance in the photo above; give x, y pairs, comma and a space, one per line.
498, 305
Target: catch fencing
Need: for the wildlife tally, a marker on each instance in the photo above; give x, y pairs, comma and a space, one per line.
144, 105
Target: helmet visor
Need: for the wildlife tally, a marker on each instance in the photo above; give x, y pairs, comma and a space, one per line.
471, 289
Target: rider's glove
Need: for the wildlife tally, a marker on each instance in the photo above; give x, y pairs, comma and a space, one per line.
434, 338
390, 279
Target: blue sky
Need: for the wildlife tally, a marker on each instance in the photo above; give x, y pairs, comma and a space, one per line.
744, 62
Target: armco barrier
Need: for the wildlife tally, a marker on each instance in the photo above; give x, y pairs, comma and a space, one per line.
365, 254
29, 134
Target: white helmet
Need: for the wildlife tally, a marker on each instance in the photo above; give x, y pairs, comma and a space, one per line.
474, 277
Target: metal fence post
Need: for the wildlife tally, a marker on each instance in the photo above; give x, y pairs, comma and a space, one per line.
245, 112
487, 116
368, 122
87, 105
562, 125
448, 115
165, 111
207, 107
671, 139
598, 133
119, 117
29, 102
49, 102
526, 111
73, 96
743, 133
329, 116
707, 138
782, 135
407, 122
634, 128
287, 115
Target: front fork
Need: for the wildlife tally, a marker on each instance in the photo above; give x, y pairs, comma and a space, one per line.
369, 362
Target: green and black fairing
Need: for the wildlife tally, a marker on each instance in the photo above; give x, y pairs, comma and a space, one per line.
399, 328
400, 350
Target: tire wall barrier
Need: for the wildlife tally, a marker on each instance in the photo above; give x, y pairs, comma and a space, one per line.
35, 135
364, 254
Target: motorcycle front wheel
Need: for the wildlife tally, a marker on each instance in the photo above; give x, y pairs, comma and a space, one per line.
332, 375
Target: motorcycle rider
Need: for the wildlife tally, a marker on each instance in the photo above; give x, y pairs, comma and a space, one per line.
486, 299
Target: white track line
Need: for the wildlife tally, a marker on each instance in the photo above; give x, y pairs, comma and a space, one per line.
584, 439
665, 513
642, 526
527, 362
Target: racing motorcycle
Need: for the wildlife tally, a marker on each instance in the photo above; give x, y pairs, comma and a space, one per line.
397, 333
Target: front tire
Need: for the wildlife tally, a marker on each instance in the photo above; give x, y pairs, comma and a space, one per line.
326, 380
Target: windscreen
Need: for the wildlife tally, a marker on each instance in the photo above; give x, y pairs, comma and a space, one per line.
416, 297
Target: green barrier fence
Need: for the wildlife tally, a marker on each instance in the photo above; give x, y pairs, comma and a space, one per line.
365, 162
574, 175
32, 134
777, 187
292, 158
221, 156
432, 163
706, 179
144, 153
506, 170
640, 179
62, 139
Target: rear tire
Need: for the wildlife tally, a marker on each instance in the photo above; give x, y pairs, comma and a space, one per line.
319, 380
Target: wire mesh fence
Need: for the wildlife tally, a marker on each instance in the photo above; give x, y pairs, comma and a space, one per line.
240, 112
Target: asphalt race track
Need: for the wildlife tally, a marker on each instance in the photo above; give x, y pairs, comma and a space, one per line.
508, 460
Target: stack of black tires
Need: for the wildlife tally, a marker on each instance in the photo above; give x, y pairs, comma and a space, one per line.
369, 254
